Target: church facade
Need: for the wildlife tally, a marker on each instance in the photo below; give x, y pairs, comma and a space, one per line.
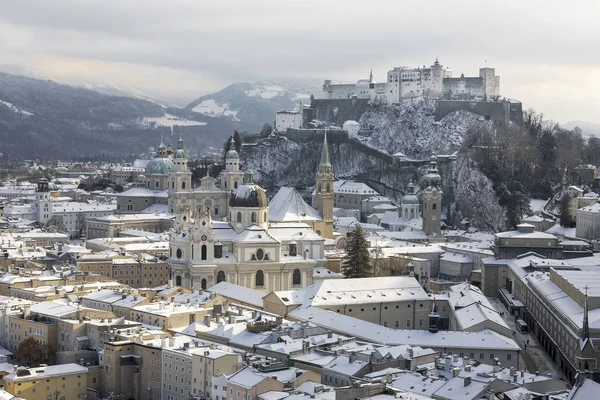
245, 247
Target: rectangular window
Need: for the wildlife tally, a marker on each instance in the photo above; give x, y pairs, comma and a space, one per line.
408, 323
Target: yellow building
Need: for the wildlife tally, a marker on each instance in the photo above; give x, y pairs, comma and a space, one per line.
66, 381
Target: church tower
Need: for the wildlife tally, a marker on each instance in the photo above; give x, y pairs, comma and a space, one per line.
324, 192
42, 200
232, 177
432, 200
410, 203
181, 176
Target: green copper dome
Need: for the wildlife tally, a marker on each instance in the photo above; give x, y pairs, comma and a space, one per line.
159, 166
410, 197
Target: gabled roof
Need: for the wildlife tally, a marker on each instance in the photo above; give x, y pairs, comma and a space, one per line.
287, 205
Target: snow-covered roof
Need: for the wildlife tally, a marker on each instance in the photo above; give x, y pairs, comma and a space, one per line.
594, 208
456, 257
240, 293
288, 205
485, 339
143, 192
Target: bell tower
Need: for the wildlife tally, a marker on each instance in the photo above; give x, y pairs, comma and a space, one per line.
324, 192
432, 200
181, 176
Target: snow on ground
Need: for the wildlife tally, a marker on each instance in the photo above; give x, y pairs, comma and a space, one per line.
171, 120
14, 108
537, 205
266, 92
211, 108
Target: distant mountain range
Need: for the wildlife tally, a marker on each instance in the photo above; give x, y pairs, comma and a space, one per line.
252, 103
42, 118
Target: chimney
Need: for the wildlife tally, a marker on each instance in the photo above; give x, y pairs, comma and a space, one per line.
186, 345
352, 357
26, 311
468, 368
513, 371
514, 378
171, 342
329, 334
207, 320
455, 372
172, 299
447, 363
522, 373
81, 362
411, 352
170, 284
278, 320
454, 358
467, 381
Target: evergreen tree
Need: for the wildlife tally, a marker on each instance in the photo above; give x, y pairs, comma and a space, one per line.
357, 263
565, 219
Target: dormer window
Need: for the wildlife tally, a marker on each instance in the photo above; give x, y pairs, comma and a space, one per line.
293, 248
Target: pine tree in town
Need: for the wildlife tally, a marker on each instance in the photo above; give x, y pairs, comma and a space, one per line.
357, 263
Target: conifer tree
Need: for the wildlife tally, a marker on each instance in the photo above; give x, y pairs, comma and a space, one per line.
357, 263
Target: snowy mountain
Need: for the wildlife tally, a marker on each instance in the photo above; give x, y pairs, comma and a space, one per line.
134, 92
252, 104
41, 118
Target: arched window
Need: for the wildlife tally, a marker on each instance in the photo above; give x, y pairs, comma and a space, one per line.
253, 217
328, 188
179, 253
173, 185
203, 284
265, 216
434, 206
220, 276
225, 184
296, 277
239, 216
319, 188
235, 185
260, 278
204, 252
183, 185
178, 280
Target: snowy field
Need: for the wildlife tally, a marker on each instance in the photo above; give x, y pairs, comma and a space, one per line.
211, 108
14, 108
171, 120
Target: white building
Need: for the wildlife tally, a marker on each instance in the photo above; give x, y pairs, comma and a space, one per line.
290, 119
352, 127
588, 222
432, 81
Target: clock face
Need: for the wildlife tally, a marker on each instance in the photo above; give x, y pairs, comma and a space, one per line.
204, 238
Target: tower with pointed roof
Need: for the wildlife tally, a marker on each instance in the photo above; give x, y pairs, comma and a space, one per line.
324, 192
431, 185
231, 177
180, 179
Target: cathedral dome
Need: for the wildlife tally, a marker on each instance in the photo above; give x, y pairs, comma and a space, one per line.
432, 178
248, 194
159, 166
232, 154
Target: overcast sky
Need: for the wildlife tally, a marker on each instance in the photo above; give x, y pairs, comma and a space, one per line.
545, 51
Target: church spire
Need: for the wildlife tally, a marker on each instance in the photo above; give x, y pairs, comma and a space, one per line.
325, 162
585, 333
371, 76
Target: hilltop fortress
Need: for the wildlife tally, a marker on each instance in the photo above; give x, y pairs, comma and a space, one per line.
404, 83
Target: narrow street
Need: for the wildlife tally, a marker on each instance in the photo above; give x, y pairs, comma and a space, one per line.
534, 357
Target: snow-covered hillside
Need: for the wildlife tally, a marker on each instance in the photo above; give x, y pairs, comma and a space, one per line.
252, 104
134, 92
410, 128
170, 121
211, 108
14, 109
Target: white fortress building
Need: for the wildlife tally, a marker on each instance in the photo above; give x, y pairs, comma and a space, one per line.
405, 83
